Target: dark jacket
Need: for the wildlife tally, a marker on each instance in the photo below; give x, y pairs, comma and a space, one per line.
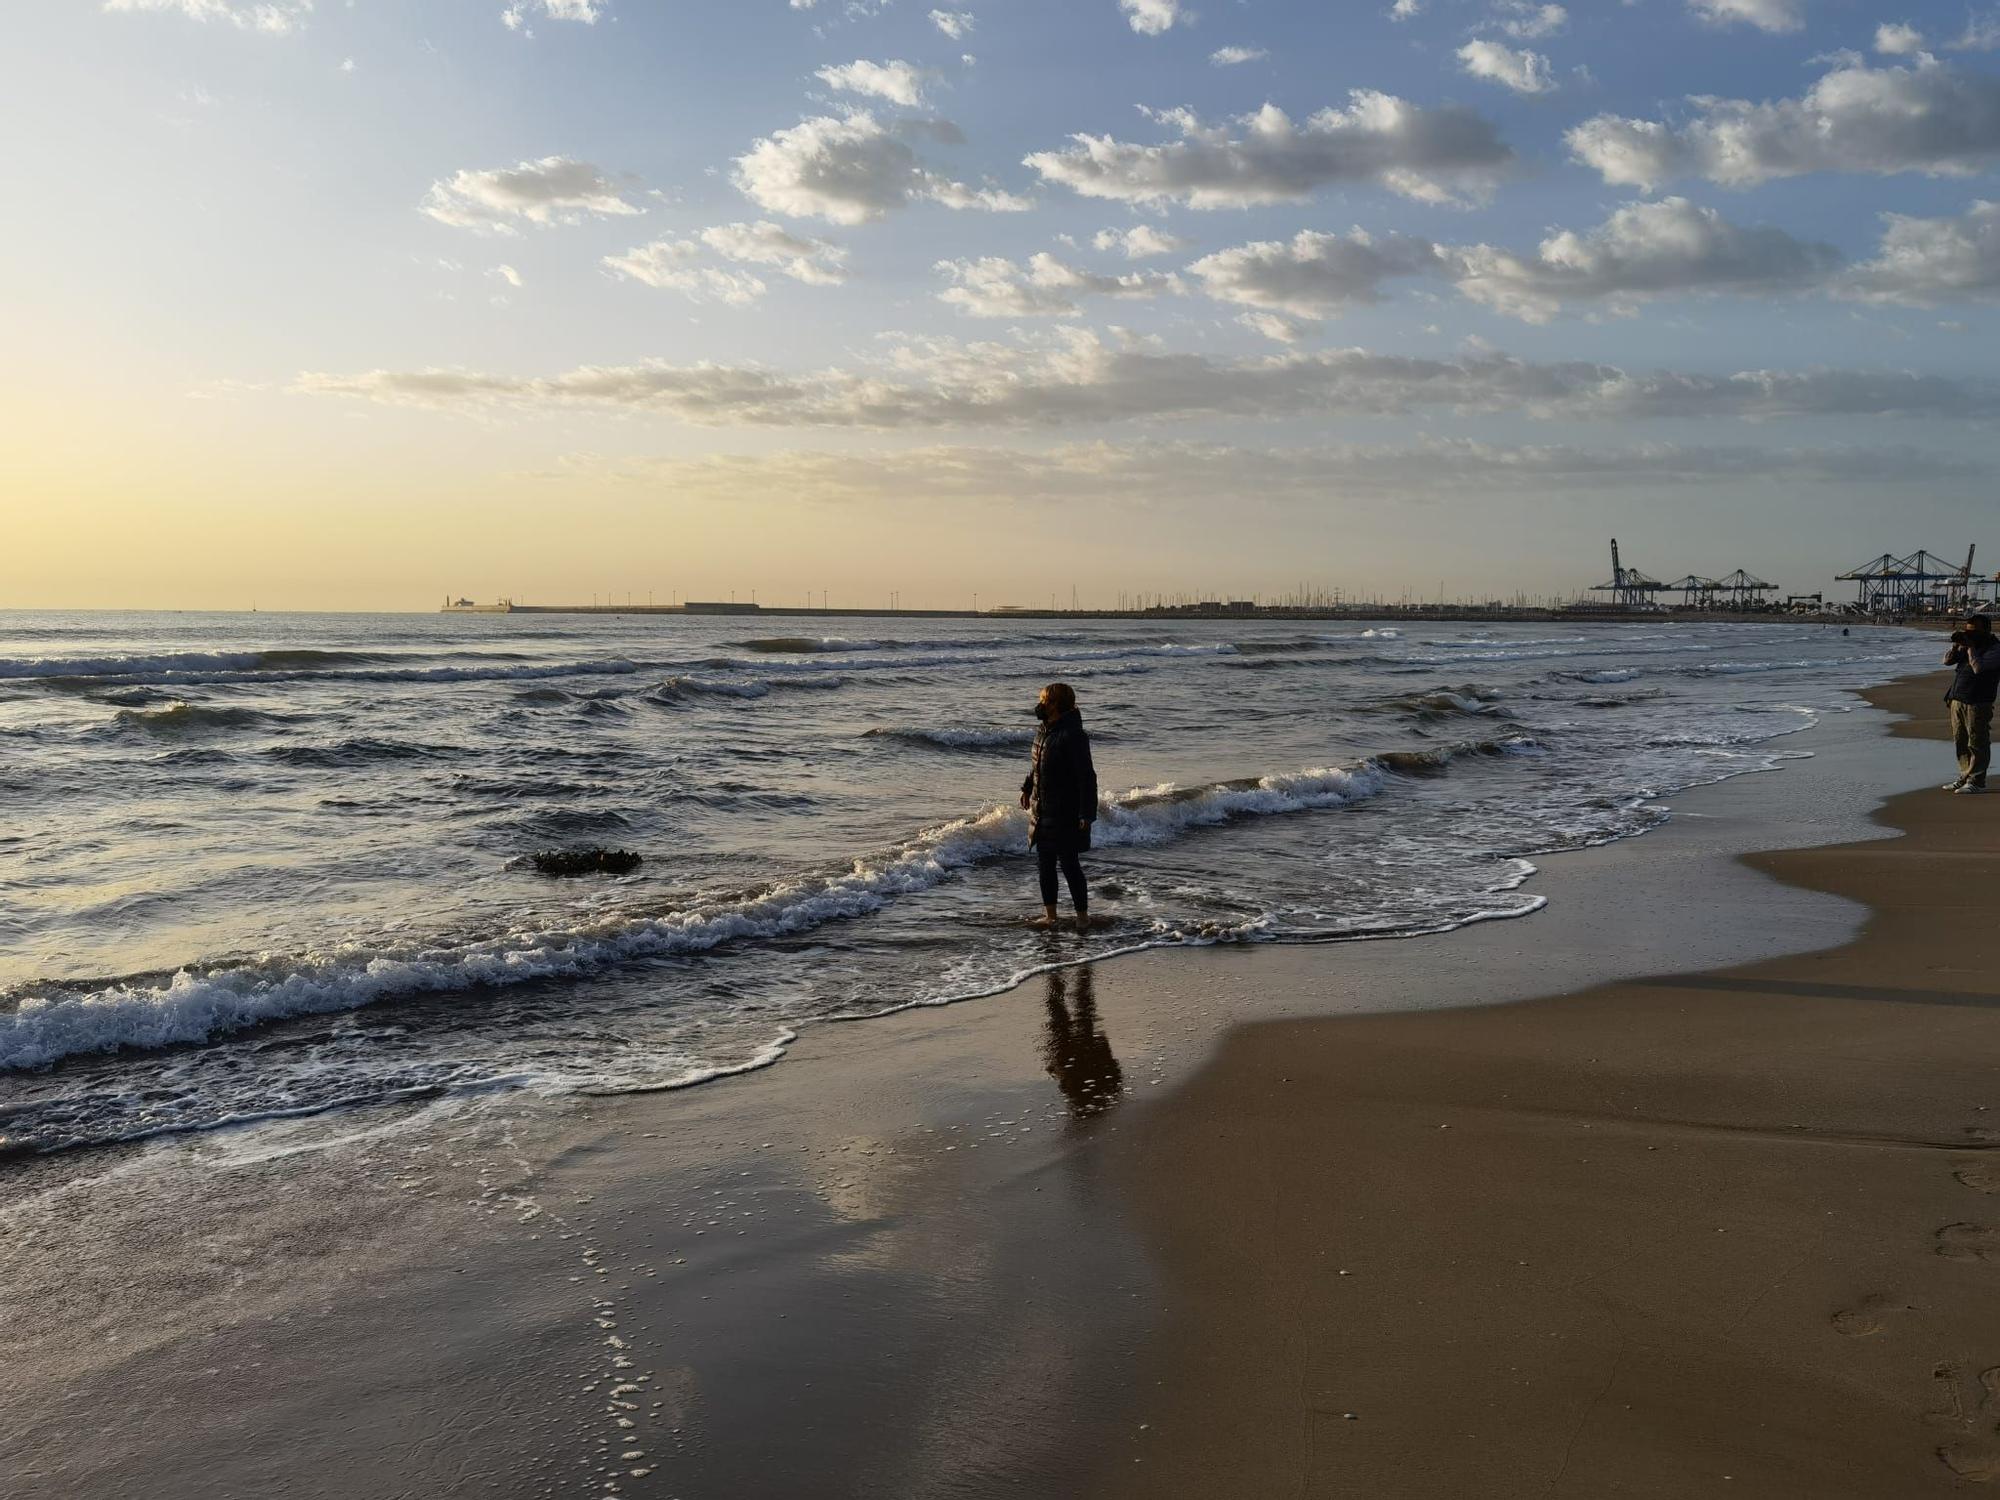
1978, 663
1062, 787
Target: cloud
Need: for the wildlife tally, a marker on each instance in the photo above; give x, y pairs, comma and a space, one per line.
994, 287
1924, 261
956, 24
554, 190
1981, 34
1152, 17
1516, 68
1643, 250
683, 265
515, 16
1312, 274
1765, 15
1433, 155
814, 262
898, 82
1140, 242
1898, 40
1927, 118
272, 17
1274, 326
1076, 378
1526, 21
677, 266
507, 274
1195, 474
855, 169
1406, 10
1229, 57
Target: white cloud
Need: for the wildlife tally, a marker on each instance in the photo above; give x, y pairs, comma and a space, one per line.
1924, 261
1765, 15
1644, 250
1981, 34
1429, 154
1140, 242
1077, 378
1196, 474
1897, 39
1229, 57
1406, 10
1517, 68
677, 266
1312, 274
897, 81
1151, 17
1527, 21
272, 17
1273, 326
1924, 118
681, 265
854, 169
814, 262
994, 287
507, 274
515, 16
956, 24
555, 189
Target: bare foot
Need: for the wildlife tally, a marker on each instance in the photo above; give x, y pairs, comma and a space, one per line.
1082, 922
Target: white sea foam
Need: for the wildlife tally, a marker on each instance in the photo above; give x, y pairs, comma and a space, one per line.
195, 1007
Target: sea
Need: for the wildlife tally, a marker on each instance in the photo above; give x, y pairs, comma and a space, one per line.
258, 866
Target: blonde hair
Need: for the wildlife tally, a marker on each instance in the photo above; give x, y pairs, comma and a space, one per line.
1060, 697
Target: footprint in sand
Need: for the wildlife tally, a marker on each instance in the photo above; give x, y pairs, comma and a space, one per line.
1977, 1458
1868, 1317
1968, 1242
1985, 1179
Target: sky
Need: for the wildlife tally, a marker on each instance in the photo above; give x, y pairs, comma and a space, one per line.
353, 304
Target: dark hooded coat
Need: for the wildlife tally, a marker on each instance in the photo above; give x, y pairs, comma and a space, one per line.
1062, 787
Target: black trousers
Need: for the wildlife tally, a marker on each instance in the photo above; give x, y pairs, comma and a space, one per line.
1072, 869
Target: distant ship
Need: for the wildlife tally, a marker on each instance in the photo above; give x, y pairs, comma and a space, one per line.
467, 607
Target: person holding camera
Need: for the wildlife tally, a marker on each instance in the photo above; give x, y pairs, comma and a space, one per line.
1975, 652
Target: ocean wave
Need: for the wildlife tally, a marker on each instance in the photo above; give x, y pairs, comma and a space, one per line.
956, 738
806, 645
1468, 700
349, 754
193, 1007
1005, 654
698, 684
195, 668
1279, 648
1603, 675
178, 717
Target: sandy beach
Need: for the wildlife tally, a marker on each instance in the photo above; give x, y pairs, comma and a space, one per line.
1152, 1227
1729, 1233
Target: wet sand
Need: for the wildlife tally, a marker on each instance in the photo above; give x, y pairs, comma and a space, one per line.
1057, 1243
1735, 1233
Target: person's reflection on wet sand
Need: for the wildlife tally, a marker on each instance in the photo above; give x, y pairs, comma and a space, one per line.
1077, 1053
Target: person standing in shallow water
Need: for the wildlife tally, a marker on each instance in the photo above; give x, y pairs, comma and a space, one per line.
1060, 794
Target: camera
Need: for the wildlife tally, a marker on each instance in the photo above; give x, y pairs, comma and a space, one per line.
1961, 637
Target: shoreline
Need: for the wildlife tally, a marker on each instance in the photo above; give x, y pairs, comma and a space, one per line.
914, 1240
1729, 1233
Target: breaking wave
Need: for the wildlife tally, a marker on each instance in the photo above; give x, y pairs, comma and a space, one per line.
192, 1006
